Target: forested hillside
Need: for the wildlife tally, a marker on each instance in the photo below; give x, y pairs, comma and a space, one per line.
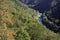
19, 22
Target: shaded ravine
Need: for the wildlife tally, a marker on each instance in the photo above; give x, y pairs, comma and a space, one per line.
52, 20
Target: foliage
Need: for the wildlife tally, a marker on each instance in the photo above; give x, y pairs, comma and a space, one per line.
21, 22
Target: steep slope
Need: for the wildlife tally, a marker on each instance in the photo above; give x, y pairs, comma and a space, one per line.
50, 9
18, 22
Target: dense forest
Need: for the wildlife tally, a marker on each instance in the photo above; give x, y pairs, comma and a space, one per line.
19, 22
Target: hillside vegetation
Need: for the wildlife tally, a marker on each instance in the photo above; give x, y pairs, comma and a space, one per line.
18, 22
